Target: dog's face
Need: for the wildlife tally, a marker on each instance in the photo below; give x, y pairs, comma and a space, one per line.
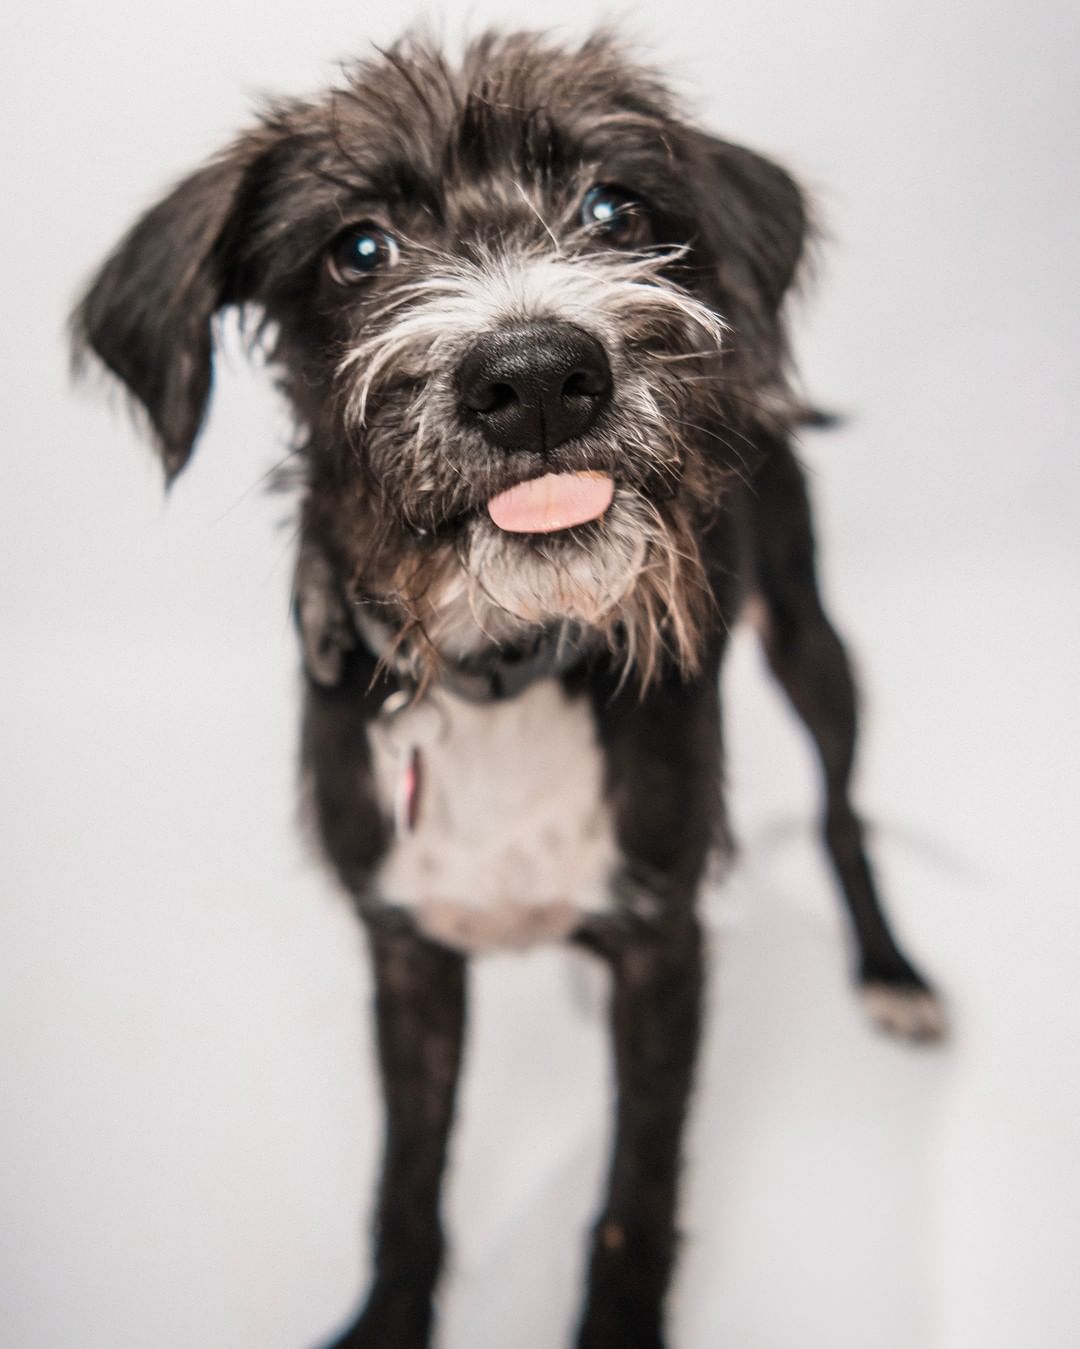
523, 269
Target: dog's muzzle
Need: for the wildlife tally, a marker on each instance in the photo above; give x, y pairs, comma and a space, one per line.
533, 386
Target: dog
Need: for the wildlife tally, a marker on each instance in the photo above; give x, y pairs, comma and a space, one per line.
530, 322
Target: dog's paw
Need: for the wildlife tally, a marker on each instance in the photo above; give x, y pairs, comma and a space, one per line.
912, 1011
326, 629
617, 1319
612, 1332
389, 1321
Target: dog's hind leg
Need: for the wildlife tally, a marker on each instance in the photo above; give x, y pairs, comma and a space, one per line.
810, 663
420, 1019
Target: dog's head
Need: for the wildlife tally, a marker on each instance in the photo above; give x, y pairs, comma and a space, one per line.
525, 268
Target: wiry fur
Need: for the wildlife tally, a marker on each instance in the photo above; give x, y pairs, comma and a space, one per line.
479, 169
637, 579
482, 170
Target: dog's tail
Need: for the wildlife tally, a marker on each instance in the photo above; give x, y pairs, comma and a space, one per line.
819, 419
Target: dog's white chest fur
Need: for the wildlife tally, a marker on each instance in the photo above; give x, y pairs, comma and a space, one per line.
511, 840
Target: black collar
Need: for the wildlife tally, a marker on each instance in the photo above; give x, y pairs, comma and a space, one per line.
496, 672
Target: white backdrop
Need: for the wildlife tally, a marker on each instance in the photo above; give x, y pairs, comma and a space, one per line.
189, 1123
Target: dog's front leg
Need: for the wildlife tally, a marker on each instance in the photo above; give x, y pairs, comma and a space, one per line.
663, 756
420, 1017
656, 1013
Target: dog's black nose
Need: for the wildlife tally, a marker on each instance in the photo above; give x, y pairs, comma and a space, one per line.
534, 385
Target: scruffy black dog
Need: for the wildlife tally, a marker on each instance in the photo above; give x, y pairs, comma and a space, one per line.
529, 320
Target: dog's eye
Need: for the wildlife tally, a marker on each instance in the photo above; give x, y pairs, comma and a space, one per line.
616, 216
359, 251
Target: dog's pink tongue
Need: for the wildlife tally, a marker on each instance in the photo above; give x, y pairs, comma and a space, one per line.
555, 501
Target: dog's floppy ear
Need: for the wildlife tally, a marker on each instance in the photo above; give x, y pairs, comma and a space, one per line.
758, 207
148, 313
755, 223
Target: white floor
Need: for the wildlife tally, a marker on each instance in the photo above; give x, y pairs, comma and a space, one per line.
189, 1120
